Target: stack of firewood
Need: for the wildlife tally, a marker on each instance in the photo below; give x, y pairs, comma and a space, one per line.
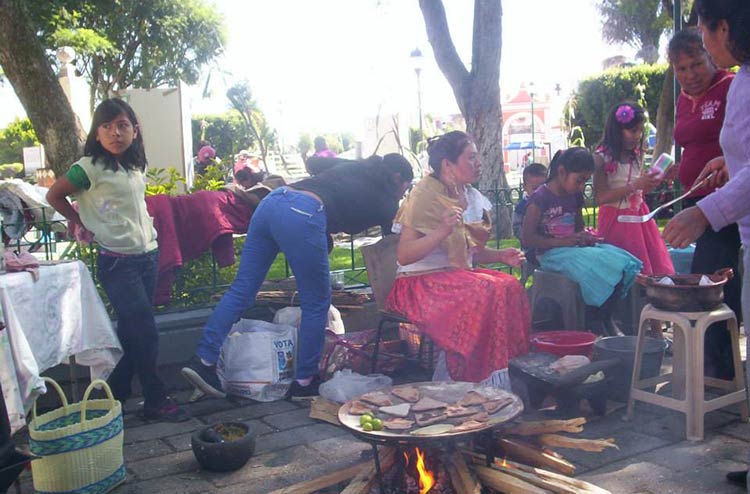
522, 462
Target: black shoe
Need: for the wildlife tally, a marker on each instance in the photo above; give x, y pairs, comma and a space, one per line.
300, 392
203, 377
739, 477
168, 411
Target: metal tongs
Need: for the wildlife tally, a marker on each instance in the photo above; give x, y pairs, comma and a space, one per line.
631, 218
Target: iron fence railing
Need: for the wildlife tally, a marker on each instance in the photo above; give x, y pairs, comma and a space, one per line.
47, 238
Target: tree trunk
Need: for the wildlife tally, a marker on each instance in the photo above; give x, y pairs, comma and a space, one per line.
665, 115
477, 92
27, 68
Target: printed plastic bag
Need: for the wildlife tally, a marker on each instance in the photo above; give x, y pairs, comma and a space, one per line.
346, 385
257, 360
293, 315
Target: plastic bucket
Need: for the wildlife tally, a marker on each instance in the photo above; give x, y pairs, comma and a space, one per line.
623, 348
563, 343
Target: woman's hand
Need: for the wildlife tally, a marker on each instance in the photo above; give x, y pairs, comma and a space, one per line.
451, 218
587, 239
647, 182
718, 167
512, 257
685, 228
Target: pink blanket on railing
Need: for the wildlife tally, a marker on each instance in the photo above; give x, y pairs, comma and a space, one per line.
188, 225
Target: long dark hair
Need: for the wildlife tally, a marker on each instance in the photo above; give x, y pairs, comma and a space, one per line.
447, 146
380, 170
737, 15
134, 157
574, 160
623, 115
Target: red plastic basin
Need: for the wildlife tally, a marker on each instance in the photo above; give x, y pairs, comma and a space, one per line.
563, 343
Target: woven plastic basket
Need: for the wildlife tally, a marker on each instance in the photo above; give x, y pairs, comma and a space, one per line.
79, 445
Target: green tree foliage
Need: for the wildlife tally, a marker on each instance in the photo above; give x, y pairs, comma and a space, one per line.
226, 133
638, 23
16, 136
596, 95
131, 43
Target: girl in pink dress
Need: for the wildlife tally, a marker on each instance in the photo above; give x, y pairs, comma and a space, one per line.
619, 187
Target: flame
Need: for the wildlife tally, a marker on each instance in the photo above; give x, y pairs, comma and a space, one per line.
504, 463
406, 460
426, 479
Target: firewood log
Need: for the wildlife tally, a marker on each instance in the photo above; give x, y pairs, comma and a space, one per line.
594, 445
505, 483
528, 453
545, 427
461, 476
363, 482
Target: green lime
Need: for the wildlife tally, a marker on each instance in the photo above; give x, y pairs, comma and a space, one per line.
377, 424
368, 414
367, 427
365, 419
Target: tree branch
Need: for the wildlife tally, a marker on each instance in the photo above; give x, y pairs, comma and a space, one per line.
439, 35
487, 36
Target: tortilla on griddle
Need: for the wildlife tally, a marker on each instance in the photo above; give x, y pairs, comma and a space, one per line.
398, 424
493, 406
408, 393
426, 404
377, 398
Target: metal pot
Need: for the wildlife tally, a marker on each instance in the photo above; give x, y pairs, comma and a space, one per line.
686, 295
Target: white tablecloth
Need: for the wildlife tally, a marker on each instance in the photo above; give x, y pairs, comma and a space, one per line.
46, 322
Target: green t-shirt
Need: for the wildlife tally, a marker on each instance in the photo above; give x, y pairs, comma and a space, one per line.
77, 176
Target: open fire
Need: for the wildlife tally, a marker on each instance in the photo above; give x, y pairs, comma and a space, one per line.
420, 471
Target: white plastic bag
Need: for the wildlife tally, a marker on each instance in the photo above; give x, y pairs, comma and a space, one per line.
293, 315
346, 385
257, 360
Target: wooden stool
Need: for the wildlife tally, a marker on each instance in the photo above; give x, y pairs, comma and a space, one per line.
687, 378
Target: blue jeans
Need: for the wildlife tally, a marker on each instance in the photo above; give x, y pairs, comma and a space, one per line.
129, 283
295, 224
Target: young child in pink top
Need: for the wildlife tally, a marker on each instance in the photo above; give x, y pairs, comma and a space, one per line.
619, 187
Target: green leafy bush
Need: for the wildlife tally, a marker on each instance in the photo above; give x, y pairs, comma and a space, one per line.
16, 136
596, 95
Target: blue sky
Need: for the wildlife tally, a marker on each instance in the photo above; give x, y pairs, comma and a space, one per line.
326, 65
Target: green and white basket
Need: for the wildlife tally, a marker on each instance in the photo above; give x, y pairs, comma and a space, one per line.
79, 445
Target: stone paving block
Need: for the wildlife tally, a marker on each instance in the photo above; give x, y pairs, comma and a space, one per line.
672, 425
629, 477
343, 447
268, 467
703, 479
168, 485
180, 463
158, 430
737, 429
293, 437
145, 449
207, 406
252, 411
289, 420
181, 442
630, 443
687, 455
266, 484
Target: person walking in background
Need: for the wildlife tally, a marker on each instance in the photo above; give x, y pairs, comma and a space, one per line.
321, 148
298, 220
700, 113
109, 186
205, 158
725, 27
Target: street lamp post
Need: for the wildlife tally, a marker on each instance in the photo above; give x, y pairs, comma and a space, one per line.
417, 61
533, 137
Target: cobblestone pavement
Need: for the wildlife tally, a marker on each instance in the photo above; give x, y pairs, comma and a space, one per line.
291, 448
